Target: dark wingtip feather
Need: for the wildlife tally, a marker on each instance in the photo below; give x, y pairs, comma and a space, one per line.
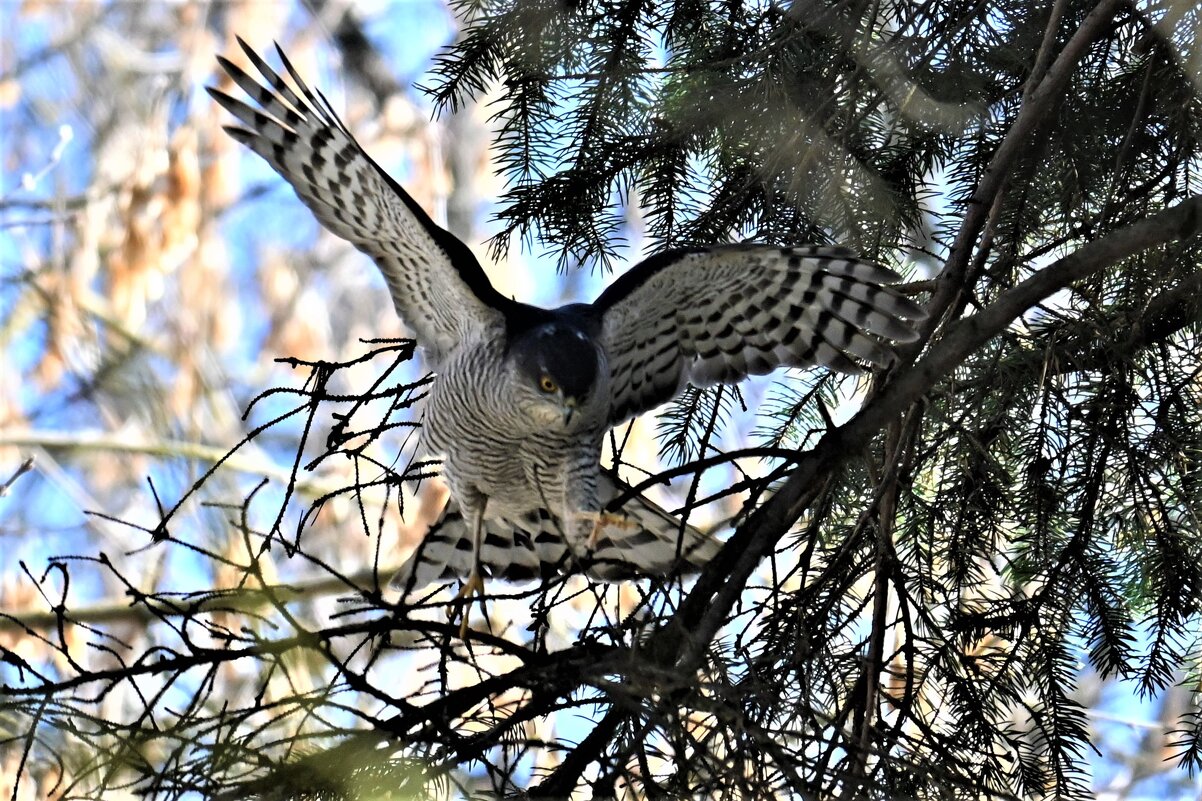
227, 65
241, 135
261, 65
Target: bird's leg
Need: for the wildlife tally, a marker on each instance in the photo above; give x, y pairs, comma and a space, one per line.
474, 585
586, 519
598, 522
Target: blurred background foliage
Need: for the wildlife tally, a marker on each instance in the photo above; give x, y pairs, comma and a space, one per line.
998, 597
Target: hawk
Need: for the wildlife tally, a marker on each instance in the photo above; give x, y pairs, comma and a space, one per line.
525, 395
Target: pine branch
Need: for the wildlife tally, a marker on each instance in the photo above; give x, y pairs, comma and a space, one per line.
151, 609
711, 599
1035, 111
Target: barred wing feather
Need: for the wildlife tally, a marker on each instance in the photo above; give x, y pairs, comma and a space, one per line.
718, 315
437, 285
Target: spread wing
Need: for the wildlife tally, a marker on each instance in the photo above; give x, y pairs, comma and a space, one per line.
721, 314
437, 285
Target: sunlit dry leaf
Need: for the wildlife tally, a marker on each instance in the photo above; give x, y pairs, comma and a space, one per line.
133, 268
18, 595
10, 93
304, 332
64, 328
185, 389
208, 284
259, 23
181, 210
27, 789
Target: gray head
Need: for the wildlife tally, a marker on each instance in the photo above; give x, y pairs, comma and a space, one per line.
560, 362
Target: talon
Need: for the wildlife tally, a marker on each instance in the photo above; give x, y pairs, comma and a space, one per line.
604, 520
462, 602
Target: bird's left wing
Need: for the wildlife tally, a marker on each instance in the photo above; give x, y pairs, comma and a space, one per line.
437, 285
721, 314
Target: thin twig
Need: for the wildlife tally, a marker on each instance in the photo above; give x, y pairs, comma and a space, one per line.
21, 470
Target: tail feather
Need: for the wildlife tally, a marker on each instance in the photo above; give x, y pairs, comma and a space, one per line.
648, 541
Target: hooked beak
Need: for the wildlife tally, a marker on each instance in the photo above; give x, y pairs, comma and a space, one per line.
569, 409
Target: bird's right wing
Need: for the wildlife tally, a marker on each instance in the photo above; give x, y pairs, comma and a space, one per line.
649, 542
437, 285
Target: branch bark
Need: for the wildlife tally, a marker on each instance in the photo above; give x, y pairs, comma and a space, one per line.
86, 441
1036, 108
683, 642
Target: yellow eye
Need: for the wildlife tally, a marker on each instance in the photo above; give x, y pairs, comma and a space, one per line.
546, 384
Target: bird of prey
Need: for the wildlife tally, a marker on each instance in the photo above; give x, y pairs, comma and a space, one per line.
524, 395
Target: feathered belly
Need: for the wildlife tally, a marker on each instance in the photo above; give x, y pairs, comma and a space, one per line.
485, 455
505, 473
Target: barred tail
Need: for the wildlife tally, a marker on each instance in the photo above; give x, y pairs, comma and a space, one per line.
647, 542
